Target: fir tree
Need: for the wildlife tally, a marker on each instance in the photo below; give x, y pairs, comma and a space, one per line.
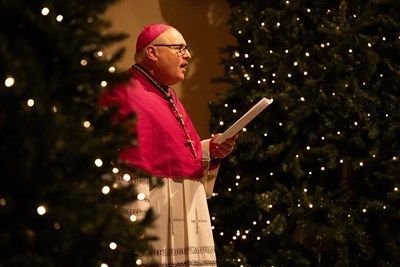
315, 178
58, 197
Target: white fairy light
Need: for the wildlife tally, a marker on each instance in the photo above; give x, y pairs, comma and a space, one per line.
30, 102
105, 190
86, 124
246, 55
384, 38
278, 24
254, 222
247, 19
126, 177
249, 41
350, 50
9, 81
305, 73
98, 162
113, 245
239, 32
141, 196
41, 210
229, 189
237, 54
322, 168
302, 99
310, 205
234, 110
286, 51
261, 66
111, 69
258, 238
221, 234
115, 170
265, 134
308, 10
369, 44
138, 262
133, 218
271, 173
289, 75
103, 265
45, 11
338, 132
257, 178
364, 210
226, 105
263, 24
221, 123
268, 221
271, 52
307, 54
341, 161
59, 18
305, 190
308, 147
396, 189
103, 84
355, 123
361, 164
295, 63
309, 173
280, 124
237, 177
84, 62
100, 53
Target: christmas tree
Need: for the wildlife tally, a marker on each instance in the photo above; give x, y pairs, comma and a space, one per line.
315, 178
58, 195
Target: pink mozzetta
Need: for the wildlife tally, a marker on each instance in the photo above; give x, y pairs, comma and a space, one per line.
148, 34
161, 144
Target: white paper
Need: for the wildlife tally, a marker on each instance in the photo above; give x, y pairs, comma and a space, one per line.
244, 120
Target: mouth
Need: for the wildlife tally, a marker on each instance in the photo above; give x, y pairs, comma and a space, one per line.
183, 66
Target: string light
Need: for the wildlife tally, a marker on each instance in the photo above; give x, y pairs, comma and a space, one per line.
115, 170
84, 62
113, 245
57, 226
98, 162
138, 262
30, 102
45, 11
9, 82
59, 18
141, 196
111, 69
133, 218
103, 84
41, 210
103, 265
100, 53
2, 202
86, 124
105, 190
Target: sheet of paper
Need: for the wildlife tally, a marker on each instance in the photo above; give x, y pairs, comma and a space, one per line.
244, 120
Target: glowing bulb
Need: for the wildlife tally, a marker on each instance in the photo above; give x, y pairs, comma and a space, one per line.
278, 24
305, 190
45, 11
41, 210
115, 170
369, 44
249, 41
307, 54
126, 177
305, 73
246, 55
111, 69
229, 189
133, 218
396, 189
113, 245
237, 177
221, 123
221, 234
141, 196
234, 111
364, 210
308, 147
271, 173
302, 99
9, 82
350, 50
138, 262
237, 54
98, 162
262, 24
258, 238
105, 190
295, 63
341, 161
310, 205
254, 222
86, 124
322, 168
59, 18
30, 102
268, 221
100, 53
103, 84
361, 164
308, 10
84, 62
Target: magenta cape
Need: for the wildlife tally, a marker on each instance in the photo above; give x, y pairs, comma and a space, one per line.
161, 144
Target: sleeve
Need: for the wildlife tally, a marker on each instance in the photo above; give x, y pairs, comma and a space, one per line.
210, 174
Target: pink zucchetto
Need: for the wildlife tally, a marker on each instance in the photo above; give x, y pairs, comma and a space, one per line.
149, 33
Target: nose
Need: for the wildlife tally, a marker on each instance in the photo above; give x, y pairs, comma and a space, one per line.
186, 55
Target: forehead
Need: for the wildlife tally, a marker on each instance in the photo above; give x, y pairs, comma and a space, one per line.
171, 36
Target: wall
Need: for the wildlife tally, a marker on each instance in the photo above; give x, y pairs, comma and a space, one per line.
203, 25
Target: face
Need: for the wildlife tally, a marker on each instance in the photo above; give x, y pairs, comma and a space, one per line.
170, 66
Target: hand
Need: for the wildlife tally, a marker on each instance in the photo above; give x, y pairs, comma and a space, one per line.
222, 150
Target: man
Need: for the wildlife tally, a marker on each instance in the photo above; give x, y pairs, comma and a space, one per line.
169, 148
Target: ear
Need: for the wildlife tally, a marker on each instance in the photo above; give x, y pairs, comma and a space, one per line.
152, 52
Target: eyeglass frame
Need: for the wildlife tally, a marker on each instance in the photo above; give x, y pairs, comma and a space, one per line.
182, 47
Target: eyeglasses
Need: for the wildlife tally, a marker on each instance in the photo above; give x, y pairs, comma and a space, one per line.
182, 48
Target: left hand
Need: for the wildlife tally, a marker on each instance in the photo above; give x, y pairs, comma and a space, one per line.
222, 150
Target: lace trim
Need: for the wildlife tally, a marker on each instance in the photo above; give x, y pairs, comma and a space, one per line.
144, 181
133, 212
189, 263
182, 251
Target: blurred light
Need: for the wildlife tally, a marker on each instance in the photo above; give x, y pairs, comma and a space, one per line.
115, 170
45, 11
30, 102
141, 196
103, 83
98, 162
86, 124
59, 18
133, 218
138, 262
105, 190
126, 177
9, 82
41, 210
111, 69
113, 245
84, 62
